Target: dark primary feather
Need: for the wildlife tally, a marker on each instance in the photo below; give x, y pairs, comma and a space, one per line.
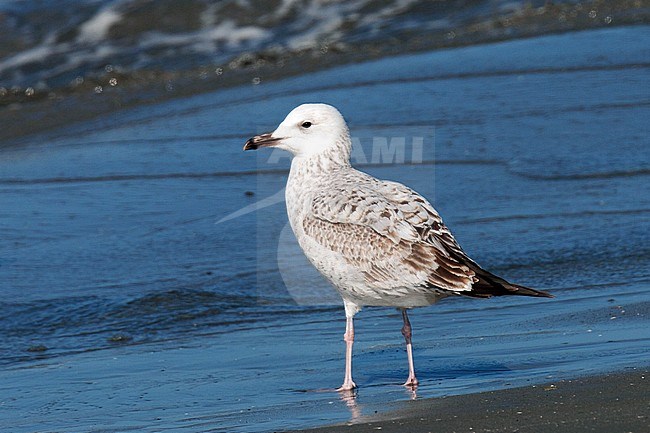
487, 284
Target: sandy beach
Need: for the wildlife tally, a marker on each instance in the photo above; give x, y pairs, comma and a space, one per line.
611, 403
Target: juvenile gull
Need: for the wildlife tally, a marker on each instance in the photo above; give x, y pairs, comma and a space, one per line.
378, 242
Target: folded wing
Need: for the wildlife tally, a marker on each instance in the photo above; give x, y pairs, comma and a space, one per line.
397, 239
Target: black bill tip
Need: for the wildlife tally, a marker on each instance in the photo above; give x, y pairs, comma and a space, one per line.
262, 140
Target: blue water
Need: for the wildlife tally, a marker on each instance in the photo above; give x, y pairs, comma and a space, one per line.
131, 299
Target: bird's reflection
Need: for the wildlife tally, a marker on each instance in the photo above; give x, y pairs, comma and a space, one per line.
349, 397
412, 391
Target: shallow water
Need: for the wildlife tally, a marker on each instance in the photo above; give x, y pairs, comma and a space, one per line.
138, 295
48, 44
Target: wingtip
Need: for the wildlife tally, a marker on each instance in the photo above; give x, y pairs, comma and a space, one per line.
527, 291
517, 289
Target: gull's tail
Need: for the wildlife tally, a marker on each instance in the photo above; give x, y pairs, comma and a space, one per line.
489, 285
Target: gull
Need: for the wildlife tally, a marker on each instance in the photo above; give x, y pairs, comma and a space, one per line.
378, 242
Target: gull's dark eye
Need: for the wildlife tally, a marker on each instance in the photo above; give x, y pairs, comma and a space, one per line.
306, 124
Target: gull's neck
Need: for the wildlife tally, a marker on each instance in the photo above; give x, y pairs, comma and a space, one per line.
334, 158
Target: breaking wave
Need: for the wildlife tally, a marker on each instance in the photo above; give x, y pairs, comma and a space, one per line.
46, 44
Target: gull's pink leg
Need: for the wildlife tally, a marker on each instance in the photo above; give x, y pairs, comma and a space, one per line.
406, 332
348, 337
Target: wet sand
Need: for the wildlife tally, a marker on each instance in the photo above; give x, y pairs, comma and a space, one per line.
608, 403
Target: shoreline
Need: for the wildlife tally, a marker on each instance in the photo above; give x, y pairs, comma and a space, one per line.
93, 96
604, 403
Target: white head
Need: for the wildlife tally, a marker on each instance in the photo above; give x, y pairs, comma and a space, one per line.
308, 130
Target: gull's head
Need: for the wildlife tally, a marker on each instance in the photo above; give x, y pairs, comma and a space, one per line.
309, 129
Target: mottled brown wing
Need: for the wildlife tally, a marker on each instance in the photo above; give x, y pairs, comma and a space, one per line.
426, 221
390, 243
422, 217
